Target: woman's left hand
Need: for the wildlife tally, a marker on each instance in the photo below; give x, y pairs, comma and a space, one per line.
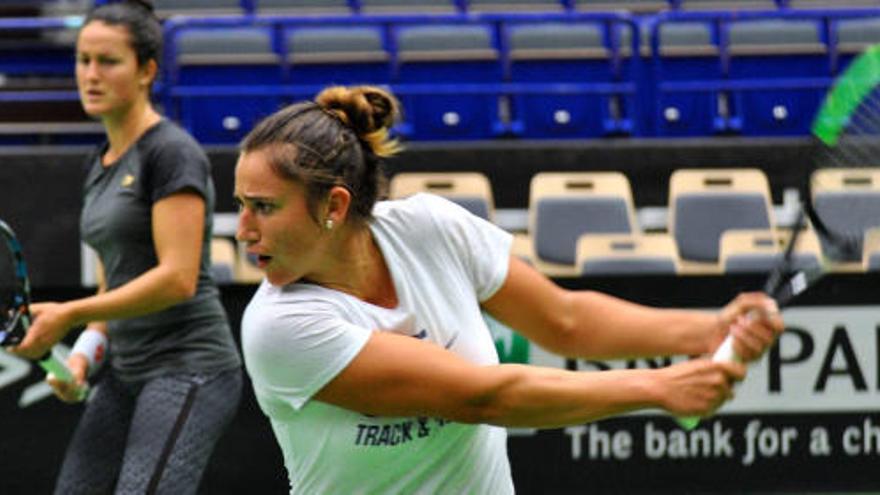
50, 323
754, 322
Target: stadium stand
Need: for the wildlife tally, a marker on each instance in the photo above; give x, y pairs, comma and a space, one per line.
782, 68
230, 60
575, 54
447, 77
319, 55
688, 69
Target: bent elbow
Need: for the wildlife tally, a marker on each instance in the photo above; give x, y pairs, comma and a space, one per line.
182, 286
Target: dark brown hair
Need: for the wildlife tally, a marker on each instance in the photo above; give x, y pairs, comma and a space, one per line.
138, 18
338, 139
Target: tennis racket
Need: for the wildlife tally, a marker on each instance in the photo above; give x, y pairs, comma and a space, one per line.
841, 196
15, 296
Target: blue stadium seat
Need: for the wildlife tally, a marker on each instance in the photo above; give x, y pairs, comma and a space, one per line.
447, 76
688, 72
226, 80
781, 69
320, 56
548, 54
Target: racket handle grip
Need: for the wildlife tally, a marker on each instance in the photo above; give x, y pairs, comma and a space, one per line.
723, 353
51, 364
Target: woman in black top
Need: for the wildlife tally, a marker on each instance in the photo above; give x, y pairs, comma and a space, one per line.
174, 379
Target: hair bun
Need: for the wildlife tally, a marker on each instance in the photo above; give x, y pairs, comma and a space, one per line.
369, 111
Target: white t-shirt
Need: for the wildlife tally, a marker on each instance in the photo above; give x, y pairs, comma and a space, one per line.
296, 338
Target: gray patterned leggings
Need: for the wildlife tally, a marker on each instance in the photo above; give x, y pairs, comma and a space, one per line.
150, 437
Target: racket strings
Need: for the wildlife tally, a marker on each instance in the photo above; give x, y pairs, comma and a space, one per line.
842, 228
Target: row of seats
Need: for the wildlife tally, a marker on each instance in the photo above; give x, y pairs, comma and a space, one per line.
305, 7
697, 74
720, 220
480, 77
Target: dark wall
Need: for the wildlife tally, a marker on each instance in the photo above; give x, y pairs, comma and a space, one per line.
40, 187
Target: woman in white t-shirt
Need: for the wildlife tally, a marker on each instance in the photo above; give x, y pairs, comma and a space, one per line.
365, 342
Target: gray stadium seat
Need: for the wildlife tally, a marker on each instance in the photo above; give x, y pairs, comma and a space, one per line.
223, 260
407, 6
727, 5
703, 203
165, 8
470, 190
760, 251
635, 6
848, 199
318, 56
514, 5
563, 206
302, 7
626, 254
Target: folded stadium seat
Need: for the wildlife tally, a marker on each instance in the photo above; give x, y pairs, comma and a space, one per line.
565, 205
688, 69
781, 68
634, 6
847, 200
167, 8
508, 6
447, 77
547, 54
626, 254
407, 7
871, 259
761, 250
226, 80
223, 260
320, 56
704, 203
854, 36
302, 7
470, 190
728, 5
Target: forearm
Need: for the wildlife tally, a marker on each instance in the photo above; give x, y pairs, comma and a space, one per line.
152, 291
606, 327
529, 396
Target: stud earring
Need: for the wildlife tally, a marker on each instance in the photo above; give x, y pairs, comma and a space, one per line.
328, 224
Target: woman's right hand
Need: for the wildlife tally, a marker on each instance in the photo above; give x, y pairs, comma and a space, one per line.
72, 391
698, 387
